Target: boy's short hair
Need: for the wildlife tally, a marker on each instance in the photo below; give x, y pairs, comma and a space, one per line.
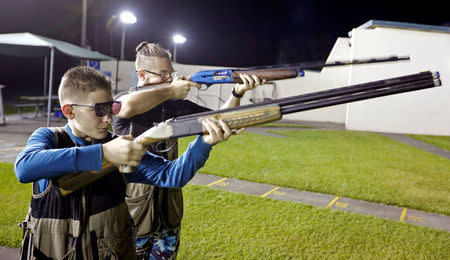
148, 49
79, 81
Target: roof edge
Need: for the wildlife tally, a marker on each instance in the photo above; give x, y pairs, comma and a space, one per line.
371, 24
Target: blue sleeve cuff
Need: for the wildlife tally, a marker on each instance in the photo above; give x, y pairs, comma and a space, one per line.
90, 158
155, 170
203, 147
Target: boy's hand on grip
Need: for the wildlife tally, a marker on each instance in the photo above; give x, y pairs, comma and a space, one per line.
123, 150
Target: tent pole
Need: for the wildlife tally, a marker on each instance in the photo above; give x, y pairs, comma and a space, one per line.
50, 85
45, 74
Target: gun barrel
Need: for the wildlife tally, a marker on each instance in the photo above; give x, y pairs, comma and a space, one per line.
321, 64
191, 124
361, 96
325, 94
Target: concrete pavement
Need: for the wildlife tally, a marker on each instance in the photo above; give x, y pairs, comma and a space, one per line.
406, 215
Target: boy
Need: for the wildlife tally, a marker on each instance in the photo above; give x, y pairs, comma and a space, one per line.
93, 223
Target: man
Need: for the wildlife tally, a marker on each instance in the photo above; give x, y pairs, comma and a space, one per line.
157, 212
93, 222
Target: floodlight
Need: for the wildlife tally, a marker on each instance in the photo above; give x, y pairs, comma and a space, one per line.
127, 17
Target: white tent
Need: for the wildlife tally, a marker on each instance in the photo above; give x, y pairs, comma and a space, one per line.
32, 45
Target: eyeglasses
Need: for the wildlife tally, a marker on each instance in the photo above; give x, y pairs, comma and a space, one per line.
102, 109
165, 74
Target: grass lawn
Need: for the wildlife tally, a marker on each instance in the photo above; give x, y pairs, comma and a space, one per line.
224, 225
439, 141
14, 205
10, 109
359, 165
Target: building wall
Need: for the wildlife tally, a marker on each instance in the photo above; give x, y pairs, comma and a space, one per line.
328, 78
419, 112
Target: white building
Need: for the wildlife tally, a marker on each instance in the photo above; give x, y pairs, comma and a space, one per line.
419, 112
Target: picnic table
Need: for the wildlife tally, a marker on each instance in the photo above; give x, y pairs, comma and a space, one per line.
38, 102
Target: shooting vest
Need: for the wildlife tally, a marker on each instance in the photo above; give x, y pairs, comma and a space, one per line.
91, 223
154, 208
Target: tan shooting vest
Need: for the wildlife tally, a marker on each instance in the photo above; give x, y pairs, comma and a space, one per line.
91, 223
153, 208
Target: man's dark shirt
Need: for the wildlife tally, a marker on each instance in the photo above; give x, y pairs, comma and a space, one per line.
166, 110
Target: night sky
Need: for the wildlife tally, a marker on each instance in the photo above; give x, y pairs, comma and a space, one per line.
222, 33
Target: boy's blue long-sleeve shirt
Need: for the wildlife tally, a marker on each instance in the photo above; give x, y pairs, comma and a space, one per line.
40, 161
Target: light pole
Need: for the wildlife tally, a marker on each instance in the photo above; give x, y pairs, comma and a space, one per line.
177, 39
83, 28
126, 17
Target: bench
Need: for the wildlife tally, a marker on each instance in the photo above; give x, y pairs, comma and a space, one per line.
37, 107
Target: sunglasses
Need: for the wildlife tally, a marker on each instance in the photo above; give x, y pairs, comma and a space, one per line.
105, 108
166, 74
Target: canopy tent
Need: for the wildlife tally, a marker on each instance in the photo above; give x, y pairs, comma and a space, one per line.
32, 45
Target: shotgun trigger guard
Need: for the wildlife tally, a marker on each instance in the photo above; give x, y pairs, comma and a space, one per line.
155, 147
205, 88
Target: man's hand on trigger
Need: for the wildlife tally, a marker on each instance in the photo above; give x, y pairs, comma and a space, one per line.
180, 87
218, 133
123, 150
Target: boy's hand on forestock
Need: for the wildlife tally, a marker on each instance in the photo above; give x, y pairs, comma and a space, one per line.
180, 87
123, 150
218, 132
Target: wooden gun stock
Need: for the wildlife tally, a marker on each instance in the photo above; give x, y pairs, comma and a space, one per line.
267, 74
74, 181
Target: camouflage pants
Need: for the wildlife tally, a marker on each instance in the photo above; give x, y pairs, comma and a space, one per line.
161, 245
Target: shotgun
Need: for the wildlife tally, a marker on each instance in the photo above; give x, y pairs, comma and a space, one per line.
272, 72
257, 114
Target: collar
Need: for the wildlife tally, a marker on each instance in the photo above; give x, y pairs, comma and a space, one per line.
80, 141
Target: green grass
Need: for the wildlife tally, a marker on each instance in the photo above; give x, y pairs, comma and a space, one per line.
14, 204
439, 141
358, 165
224, 225
10, 109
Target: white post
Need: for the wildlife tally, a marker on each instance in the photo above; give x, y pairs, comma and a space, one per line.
2, 112
45, 74
50, 85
